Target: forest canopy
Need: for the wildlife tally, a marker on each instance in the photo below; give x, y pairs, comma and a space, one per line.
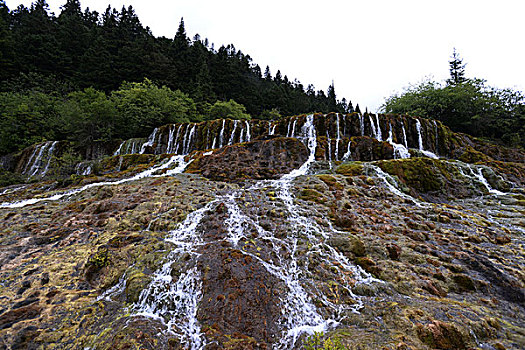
87, 76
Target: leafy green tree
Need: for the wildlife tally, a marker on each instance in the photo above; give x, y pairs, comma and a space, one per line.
227, 109
471, 107
143, 106
88, 116
26, 119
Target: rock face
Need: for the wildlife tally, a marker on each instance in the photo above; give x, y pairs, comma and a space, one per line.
310, 224
260, 159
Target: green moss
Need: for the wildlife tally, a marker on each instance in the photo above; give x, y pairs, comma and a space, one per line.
309, 194
470, 155
350, 169
421, 174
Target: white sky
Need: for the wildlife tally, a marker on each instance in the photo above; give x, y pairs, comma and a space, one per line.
370, 48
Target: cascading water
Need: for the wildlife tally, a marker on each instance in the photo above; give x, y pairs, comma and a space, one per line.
40, 159
400, 151
248, 131
232, 137
338, 138
362, 124
174, 300
150, 142
420, 142
373, 126
329, 144
221, 134
147, 173
379, 135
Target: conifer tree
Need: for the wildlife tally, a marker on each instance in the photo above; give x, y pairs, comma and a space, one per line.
457, 70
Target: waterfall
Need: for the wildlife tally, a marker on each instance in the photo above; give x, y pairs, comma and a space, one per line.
40, 159
391, 184
329, 143
404, 134
273, 129
49, 156
348, 154
182, 164
379, 135
476, 174
293, 128
150, 142
117, 152
288, 133
248, 132
420, 142
232, 137
177, 140
188, 139
170, 139
400, 151
373, 126
338, 138
221, 135
174, 301
362, 124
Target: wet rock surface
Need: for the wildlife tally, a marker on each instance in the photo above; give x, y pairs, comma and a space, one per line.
422, 255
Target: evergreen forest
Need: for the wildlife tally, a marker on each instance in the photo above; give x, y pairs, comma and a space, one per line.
85, 76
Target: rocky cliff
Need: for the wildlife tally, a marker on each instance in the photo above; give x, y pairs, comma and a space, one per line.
314, 232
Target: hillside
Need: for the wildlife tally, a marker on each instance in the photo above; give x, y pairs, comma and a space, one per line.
336, 231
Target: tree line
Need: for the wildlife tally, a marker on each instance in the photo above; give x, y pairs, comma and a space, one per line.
64, 74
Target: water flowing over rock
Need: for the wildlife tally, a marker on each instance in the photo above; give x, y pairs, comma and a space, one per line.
334, 231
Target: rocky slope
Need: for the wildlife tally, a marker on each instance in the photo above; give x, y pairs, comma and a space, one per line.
357, 232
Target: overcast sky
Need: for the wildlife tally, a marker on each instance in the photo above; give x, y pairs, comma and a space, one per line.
370, 48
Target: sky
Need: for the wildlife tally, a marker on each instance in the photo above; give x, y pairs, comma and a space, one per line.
370, 49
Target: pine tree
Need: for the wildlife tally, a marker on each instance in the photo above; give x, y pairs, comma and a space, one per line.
457, 70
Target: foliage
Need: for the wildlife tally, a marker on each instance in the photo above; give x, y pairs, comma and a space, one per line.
88, 116
26, 119
143, 106
77, 50
272, 114
227, 109
471, 107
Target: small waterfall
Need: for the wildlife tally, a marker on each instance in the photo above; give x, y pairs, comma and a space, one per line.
177, 139
150, 142
221, 134
329, 143
188, 139
182, 164
362, 124
400, 151
170, 139
293, 128
404, 134
207, 138
232, 137
174, 301
379, 135
248, 132
391, 184
289, 132
420, 142
40, 159
476, 174
373, 126
338, 138
119, 149
272, 132
348, 154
